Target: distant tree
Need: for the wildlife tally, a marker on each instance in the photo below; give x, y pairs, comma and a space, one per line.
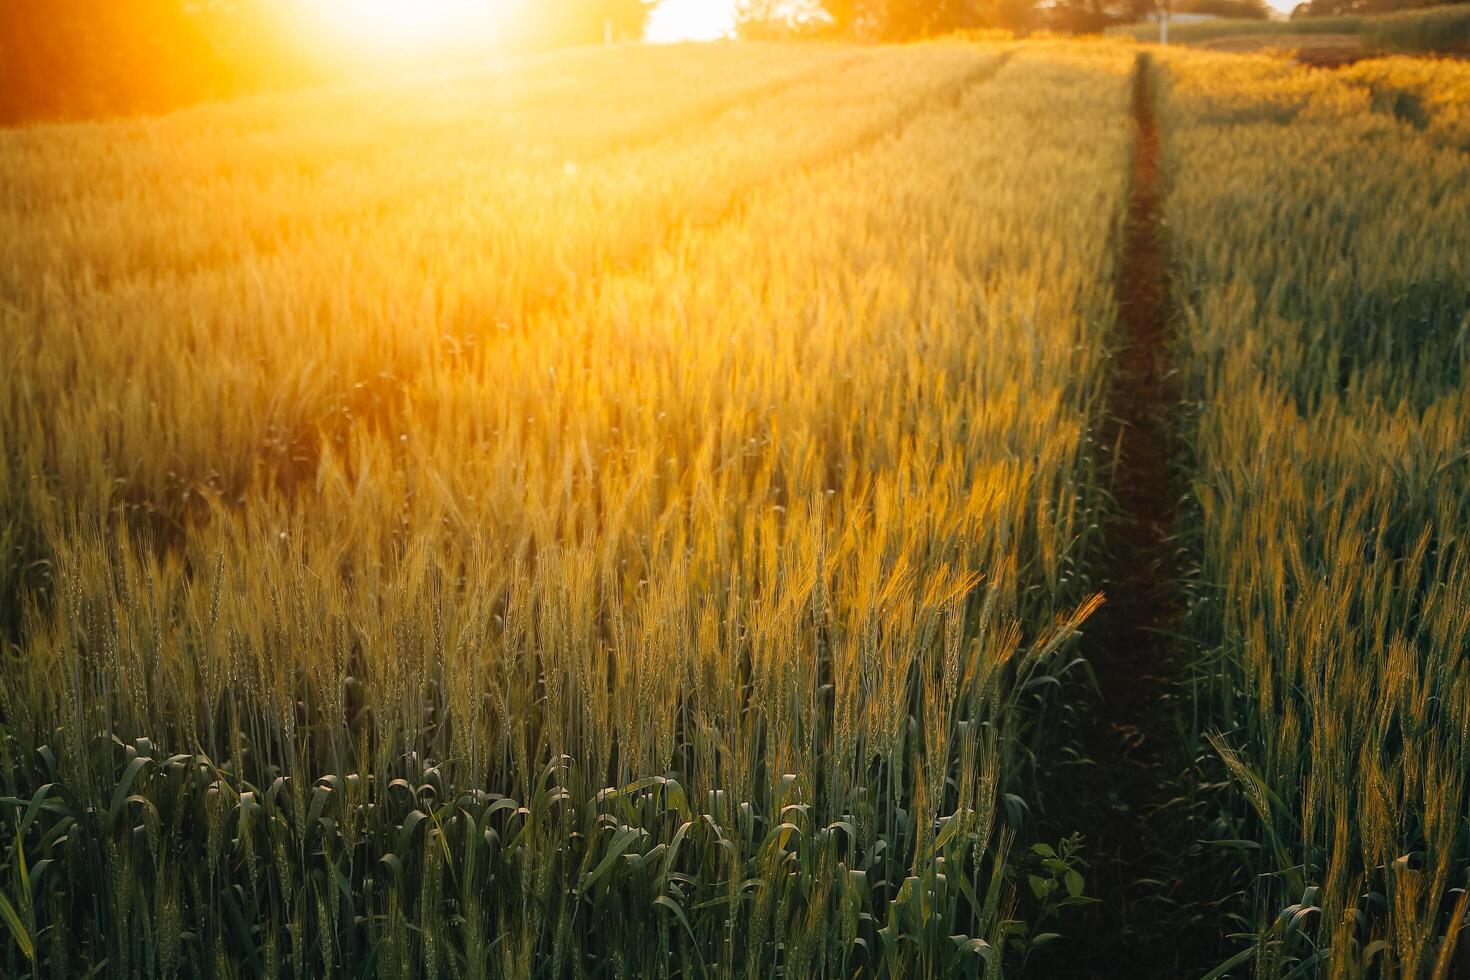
920, 18
760, 19
1239, 9
89, 57
901, 19
1090, 16
1019, 16
1340, 8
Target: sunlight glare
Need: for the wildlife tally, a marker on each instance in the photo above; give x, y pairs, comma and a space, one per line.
691, 20
407, 26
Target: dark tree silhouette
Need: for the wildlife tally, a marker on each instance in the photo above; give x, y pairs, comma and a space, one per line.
103, 57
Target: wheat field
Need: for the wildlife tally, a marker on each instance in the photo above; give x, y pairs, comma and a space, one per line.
1331, 443
639, 512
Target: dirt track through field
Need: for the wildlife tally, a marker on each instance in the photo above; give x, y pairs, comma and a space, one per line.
1134, 734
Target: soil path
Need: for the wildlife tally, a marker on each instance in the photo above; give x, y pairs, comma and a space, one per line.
1135, 735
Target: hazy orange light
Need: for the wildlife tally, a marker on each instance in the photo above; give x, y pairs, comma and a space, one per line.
406, 26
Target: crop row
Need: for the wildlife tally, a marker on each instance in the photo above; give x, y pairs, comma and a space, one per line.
1322, 279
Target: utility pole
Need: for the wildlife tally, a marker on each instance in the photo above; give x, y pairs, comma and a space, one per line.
1164, 22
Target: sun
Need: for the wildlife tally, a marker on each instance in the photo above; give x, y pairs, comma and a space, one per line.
405, 26
691, 20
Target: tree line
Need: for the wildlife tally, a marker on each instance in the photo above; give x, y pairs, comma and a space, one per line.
1350, 8
896, 20
905, 19
83, 58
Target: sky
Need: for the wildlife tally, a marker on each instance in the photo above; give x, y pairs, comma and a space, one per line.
691, 20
